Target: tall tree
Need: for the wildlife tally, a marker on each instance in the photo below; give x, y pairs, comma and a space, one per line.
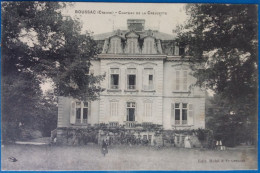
223, 37
38, 42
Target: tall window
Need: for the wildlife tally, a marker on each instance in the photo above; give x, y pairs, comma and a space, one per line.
148, 46
180, 113
131, 46
147, 109
181, 83
113, 108
114, 78
131, 78
148, 79
82, 112
130, 109
115, 44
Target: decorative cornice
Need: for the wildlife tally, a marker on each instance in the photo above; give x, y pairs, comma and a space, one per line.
131, 56
145, 56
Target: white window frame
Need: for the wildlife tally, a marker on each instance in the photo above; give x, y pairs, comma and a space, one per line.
132, 105
181, 108
148, 45
132, 45
131, 71
148, 109
113, 72
181, 82
82, 106
146, 82
114, 108
115, 45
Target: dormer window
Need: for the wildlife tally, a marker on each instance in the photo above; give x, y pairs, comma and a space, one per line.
132, 45
115, 45
148, 46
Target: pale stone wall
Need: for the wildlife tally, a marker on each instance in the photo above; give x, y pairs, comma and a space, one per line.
194, 96
161, 98
122, 96
105, 116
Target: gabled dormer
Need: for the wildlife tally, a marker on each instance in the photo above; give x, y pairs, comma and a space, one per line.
115, 44
132, 44
149, 45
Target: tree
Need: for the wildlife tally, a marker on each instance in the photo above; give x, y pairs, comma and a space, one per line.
39, 43
223, 38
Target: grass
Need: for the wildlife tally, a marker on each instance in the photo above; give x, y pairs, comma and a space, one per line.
124, 158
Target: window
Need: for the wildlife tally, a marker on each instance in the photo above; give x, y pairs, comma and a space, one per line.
148, 79
148, 46
132, 46
130, 108
81, 112
114, 76
115, 44
147, 109
113, 108
180, 111
181, 83
131, 79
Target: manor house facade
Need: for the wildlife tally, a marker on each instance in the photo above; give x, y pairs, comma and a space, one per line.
148, 81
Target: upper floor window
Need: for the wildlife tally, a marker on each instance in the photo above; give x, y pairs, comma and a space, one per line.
148, 79
114, 78
79, 112
115, 44
131, 78
181, 80
132, 45
148, 46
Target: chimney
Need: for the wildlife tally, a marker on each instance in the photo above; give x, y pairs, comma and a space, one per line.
135, 24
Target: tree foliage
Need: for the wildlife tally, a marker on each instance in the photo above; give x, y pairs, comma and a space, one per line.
39, 43
223, 37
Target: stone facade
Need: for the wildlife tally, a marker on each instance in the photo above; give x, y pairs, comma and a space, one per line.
147, 81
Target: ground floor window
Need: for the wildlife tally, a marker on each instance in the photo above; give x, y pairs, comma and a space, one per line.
130, 108
180, 113
82, 112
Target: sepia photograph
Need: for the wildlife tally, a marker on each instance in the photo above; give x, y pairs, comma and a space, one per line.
89, 86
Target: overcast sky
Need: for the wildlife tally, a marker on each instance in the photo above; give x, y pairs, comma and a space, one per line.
171, 15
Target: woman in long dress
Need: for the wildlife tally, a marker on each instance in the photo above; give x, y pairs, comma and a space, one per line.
104, 150
187, 142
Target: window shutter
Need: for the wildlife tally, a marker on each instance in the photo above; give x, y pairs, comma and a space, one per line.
172, 114
184, 80
73, 112
176, 50
145, 80
150, 109
89, 111
177, 84
190, 116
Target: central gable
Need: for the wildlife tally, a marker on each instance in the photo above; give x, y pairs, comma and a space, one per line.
131, 34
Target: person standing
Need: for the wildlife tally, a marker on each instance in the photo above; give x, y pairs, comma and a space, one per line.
104, 150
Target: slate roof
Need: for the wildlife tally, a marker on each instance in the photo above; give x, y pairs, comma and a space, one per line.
158, 35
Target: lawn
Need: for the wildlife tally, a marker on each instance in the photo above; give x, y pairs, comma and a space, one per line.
44, 157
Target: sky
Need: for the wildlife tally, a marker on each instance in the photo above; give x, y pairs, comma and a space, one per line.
163, 17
